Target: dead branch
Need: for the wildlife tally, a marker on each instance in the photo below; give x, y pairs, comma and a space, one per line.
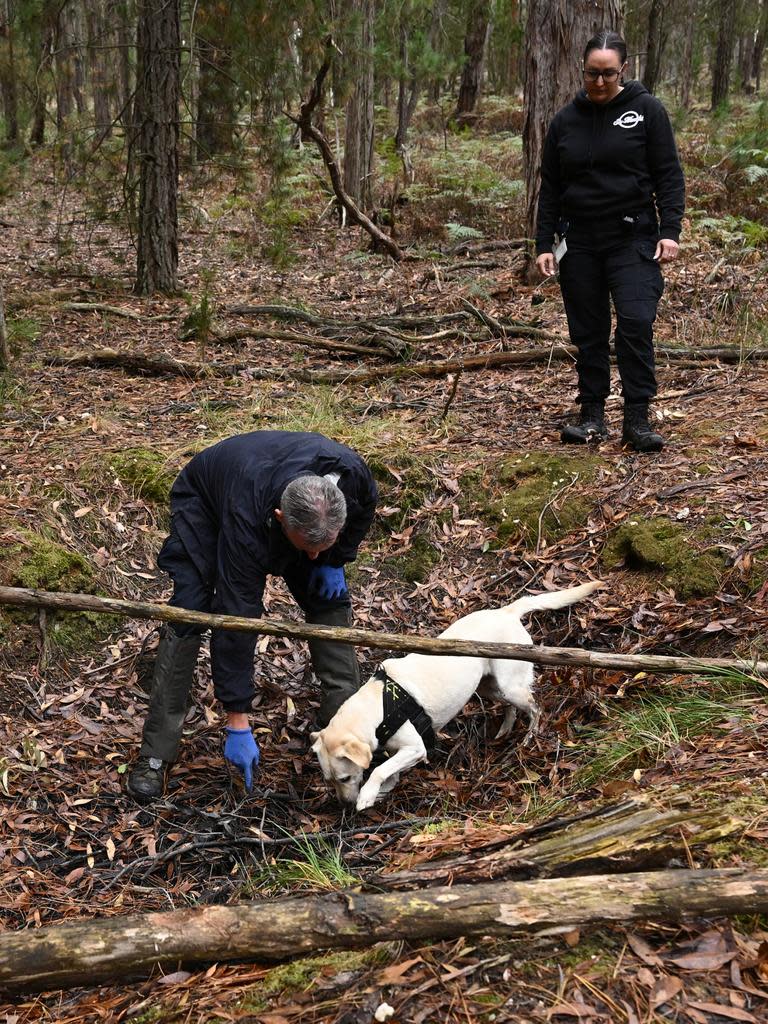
100, 307
632, 663
468, 248
5, 350
634, 835
305, 339
90, 952
309, 131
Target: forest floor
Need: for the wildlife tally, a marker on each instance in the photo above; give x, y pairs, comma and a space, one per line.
479, 503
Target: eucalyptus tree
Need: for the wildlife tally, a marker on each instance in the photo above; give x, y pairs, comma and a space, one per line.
475, 45
721, 69
8, 87
158, 43
554, 42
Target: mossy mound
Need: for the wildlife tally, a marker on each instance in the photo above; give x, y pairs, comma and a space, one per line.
415, 564
144, 472
39, 563
658, 545
533, 495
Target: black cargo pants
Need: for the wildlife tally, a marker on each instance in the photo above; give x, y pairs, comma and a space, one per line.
335, 664
604, 262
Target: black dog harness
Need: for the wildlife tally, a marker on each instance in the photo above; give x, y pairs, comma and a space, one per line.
400, 707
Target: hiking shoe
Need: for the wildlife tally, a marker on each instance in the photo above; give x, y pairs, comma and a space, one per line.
147, 780
637, 430
590, 426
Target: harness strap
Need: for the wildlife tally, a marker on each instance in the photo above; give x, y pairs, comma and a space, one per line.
400, 707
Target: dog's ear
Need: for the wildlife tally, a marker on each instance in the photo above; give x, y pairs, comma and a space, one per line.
357, 752
314, 736
317, 741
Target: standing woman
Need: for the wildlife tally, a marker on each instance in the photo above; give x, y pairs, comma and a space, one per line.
610, 209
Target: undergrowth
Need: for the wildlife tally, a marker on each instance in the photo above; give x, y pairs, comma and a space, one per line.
643, 734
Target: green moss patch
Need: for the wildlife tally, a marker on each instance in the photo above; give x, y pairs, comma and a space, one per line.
533, 495
415, 564
658, 545
38, 563
299, 975
144, 472
41, 564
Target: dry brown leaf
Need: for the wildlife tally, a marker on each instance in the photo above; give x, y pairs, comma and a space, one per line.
393, 974
641, 948
729, 1012
702, 961
665, 988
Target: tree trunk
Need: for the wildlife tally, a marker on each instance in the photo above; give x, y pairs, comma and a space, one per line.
554, 43
216, 89
721, 72
475, 43
358, 135
686, 57
631, 663
653, 46
90, 952
125, 35
101, 60
435, 40
761, 37
157, 123
65, 74
5, 351
8, 72
40, 103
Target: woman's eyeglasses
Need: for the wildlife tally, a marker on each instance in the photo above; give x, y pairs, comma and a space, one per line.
609, 75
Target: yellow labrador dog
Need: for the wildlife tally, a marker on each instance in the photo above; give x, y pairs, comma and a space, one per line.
441, 686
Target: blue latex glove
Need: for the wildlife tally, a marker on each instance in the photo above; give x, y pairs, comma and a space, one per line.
241, 750
327, 582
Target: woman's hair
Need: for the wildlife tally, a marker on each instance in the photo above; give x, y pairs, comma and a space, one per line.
315, 508
606, 40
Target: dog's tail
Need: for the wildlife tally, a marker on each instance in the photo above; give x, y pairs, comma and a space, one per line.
552, 599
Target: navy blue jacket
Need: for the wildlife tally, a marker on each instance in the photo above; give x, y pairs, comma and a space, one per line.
605, 161
222, 510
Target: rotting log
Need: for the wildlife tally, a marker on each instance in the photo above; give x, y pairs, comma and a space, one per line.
636, 834
90, 952
156, 366
23, 597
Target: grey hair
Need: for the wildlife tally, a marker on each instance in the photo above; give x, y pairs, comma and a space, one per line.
315, 508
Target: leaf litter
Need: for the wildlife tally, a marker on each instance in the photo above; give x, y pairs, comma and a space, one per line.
72, 846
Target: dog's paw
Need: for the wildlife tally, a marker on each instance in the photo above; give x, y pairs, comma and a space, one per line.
367, 797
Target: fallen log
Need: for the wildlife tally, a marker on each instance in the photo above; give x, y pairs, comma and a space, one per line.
160, 366
636, 834
23, 597
90, 952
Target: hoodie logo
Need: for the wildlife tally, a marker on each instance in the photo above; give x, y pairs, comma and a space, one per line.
629, 119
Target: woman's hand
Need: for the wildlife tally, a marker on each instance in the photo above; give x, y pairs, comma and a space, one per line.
546, 264
666, 250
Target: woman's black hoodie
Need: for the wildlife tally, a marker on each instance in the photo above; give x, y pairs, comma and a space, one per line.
606, 160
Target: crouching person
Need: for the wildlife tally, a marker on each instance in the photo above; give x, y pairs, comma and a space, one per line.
279, 503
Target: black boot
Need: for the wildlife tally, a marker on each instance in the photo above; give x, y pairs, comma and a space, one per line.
590, 425
168, 703
335, 665
637, 430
